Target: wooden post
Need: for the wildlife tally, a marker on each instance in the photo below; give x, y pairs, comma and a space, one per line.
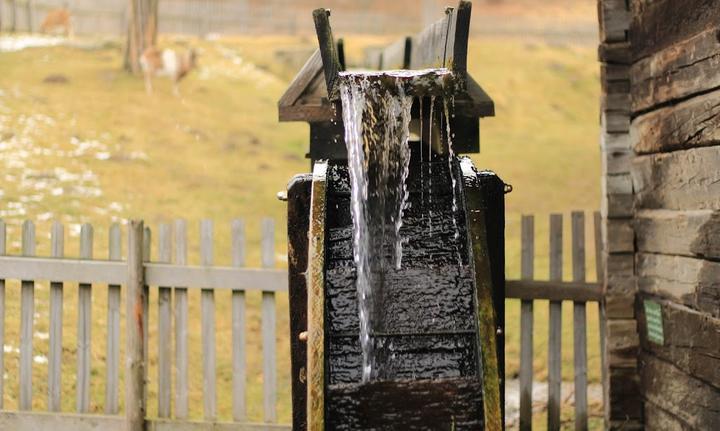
526, 324
164, 328
238, 325
112, 358
555, 327
56, 317
13, 16
2, 313
84, 337
27, 315
579, 322
29, 15
181, 326
268, 327
134, 350
207, 305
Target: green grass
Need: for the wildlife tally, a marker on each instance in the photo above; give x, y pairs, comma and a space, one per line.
218, 152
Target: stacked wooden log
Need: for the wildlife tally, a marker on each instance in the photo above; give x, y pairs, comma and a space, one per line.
675, 132
623, 408
661, 147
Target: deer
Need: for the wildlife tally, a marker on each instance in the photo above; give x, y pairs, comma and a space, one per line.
58, 21
167, 62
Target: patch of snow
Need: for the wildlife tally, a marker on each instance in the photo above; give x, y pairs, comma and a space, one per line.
18, 43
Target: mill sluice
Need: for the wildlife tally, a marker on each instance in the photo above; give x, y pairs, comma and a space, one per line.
435, 326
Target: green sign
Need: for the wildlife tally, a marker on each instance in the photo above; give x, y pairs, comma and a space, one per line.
654, 321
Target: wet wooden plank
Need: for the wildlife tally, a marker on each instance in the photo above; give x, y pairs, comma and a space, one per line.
316, 301
579, 323
555, 325
181, 326
112, 355
84, 336
437, 404
207, 304
57, 250
268, 327
681, 180
27, 314
238, 326
164, 327
526, 324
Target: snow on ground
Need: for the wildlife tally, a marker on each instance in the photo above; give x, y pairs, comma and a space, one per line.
20, 42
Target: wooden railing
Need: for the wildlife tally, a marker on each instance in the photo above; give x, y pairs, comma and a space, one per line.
556, 290
133, 276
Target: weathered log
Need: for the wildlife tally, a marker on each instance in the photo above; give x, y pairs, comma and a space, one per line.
676, 72
658, 24
691, 340
622, 343
690, 281
687, 179
620, 297
692, 400
693, 123
614, 20
658, 419
620, 236
615, 53
625, 402
685, 233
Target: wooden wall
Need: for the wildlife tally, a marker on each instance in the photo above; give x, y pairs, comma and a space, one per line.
668, 92
623, 408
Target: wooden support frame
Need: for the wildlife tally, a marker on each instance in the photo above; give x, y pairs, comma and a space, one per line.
316, 302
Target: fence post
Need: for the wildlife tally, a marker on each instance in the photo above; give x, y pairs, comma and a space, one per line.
134, 362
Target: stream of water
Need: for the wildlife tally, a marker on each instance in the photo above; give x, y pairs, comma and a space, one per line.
377, 115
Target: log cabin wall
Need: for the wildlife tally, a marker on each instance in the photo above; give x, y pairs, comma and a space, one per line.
623, 408
661, 141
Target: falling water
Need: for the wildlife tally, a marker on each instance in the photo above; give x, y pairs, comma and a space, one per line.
376, 114
377, 122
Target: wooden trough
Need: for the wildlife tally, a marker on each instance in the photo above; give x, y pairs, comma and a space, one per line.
444, 310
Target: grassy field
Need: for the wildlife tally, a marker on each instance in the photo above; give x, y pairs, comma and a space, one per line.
82, 142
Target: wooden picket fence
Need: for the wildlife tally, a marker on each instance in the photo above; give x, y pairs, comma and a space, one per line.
134, 275
528, 290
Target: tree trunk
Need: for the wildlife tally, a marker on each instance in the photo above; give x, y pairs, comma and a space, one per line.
142, 31
13, 16
29, 15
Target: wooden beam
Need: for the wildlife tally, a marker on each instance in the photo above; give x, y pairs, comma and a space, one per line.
690, 399
31, 421
685, 280
156, 274
684, 233
328, 48
681, 180
676, 72
316, 302
658, 24
531, 290
691, 339
689, 124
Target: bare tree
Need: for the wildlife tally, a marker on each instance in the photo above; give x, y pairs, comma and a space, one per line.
142, 31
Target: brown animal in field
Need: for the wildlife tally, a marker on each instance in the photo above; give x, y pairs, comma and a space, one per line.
57, 21
167, 62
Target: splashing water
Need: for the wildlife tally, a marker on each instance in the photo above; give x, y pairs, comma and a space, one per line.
377, 120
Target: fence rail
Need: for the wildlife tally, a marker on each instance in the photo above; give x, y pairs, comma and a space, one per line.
134, 275
555, 290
